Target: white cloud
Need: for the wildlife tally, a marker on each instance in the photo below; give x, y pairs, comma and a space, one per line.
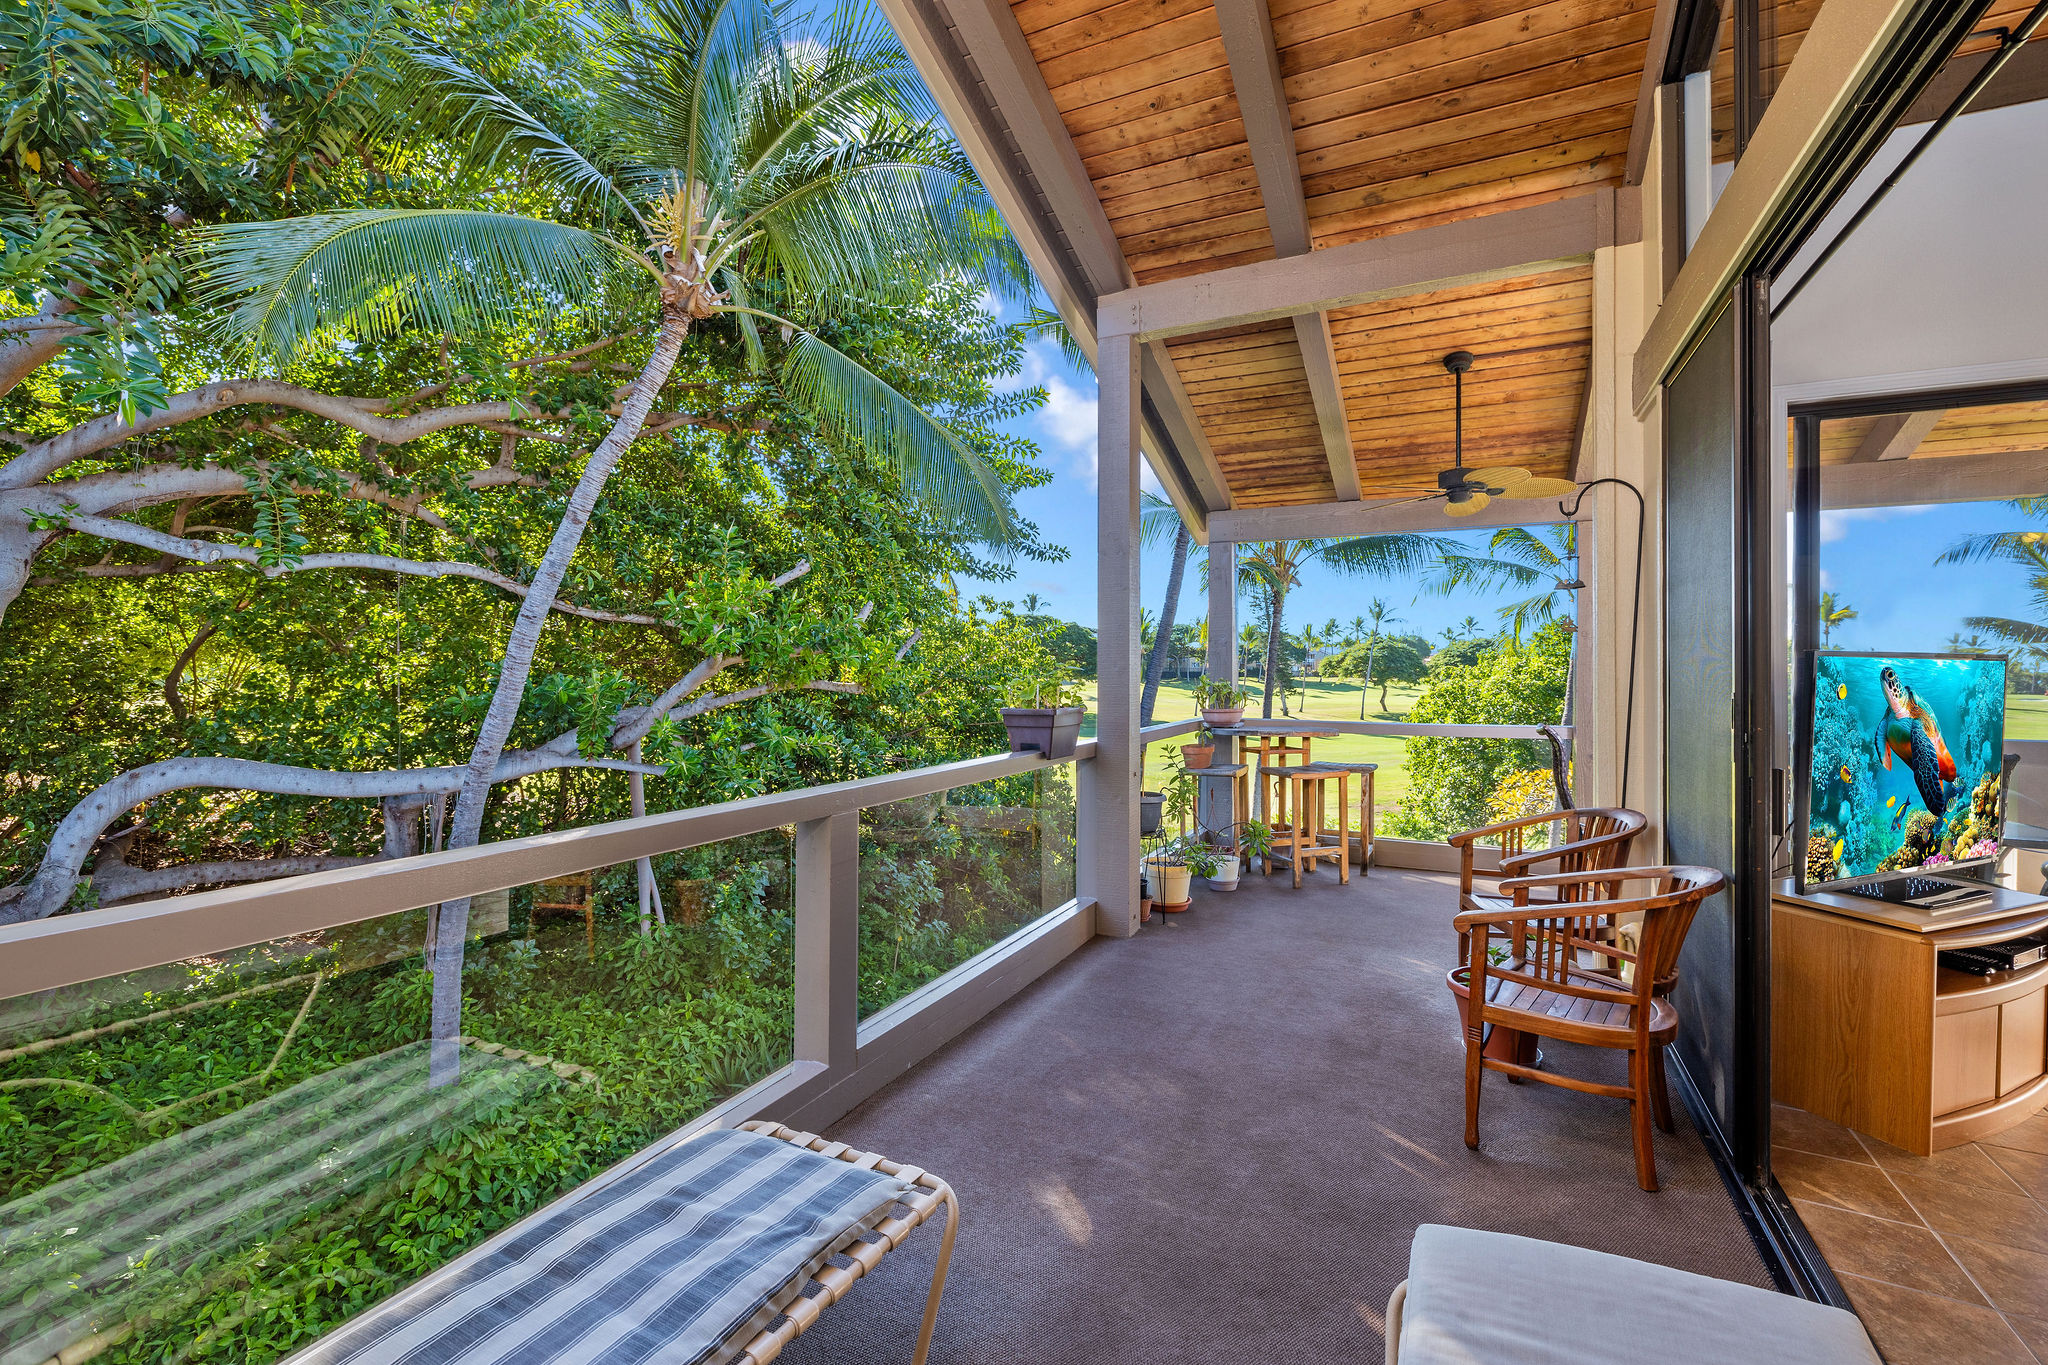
1834, 523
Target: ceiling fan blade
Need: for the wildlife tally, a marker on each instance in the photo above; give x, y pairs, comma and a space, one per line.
1540, 488
1471, 506
1507, 476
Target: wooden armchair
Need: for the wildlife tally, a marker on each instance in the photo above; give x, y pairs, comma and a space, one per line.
1596, 837
1546, 985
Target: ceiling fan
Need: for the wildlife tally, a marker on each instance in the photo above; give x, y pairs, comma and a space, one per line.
1467, 492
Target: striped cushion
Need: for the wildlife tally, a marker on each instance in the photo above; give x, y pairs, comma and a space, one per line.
679, 1261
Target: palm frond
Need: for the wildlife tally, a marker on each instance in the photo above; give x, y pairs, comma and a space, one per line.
1487, 575
1388, 554
1158, 519
1044, 322
2023, 547
856, 226
857, 405
2028, 633
372, 273
690, 73
1523, 546
500, 131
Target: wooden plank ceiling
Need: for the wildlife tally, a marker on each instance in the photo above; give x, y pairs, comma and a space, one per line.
1403, 119
1993, 429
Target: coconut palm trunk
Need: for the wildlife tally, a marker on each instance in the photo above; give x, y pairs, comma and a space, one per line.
466, 829
1160, 642
1271, 680
1371, 653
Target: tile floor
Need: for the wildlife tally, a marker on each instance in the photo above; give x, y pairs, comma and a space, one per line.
1945, 1257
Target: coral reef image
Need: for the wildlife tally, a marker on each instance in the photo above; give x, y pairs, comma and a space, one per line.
1905, 763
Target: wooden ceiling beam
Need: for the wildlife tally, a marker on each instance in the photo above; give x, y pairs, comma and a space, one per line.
1655, 56
1525, 241
1948, 478
1262, 101
1895, 436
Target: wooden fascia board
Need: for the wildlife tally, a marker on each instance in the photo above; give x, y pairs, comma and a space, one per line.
1846, 41
1497, 246
930, 47
989, 31
1321, 520
1655, 55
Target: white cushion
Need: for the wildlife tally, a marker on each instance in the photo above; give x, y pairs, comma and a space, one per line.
1486, 1298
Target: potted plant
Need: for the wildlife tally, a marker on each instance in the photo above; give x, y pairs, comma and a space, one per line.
1222, 704
1144, 897
1254, 840
1225, 865
1198, 754
1050, 725
1149, 804
1168, 871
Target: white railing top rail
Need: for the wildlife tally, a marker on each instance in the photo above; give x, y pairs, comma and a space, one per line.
1393, 729
66, 949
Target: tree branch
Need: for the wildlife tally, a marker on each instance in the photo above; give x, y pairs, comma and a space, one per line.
209, 552
45, 458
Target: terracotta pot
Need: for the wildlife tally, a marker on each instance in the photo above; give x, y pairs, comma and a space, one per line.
1144, 910
1196, 755
1221, 717
1502, 1044
1049, 730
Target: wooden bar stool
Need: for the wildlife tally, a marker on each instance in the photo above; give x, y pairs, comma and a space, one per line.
1274, 753
1363, 772
1308, 788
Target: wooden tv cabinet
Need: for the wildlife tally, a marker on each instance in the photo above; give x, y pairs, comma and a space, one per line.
1869, 1030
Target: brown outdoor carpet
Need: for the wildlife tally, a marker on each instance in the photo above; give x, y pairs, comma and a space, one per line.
1212, 1143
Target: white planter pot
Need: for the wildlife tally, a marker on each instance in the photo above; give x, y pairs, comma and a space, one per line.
1226, 876
1169, 884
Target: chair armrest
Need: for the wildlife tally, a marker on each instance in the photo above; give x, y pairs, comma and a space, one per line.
1597, 876
1466, 837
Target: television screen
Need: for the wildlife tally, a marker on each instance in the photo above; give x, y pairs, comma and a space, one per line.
1904, 756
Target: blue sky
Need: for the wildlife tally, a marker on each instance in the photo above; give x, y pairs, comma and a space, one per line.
1880, 561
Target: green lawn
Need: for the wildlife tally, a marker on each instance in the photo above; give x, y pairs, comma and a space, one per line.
1326, 700
2026, 717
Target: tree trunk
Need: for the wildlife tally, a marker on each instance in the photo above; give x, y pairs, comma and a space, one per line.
1278, 602
1383, 696
1157, 667
517, 663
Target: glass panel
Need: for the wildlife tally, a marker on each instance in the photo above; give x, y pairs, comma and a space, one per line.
1919, 554
224, 1157
1699, 650
946, 876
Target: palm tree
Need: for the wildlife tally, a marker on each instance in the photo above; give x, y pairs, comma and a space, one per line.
1356, 631
1958, 643
1148, 628
1156, 518
1470, 629
2026, 551
1273, 568
1382, 616
1251, 641
1520, 560
1034, 604
742, 156
1833, 614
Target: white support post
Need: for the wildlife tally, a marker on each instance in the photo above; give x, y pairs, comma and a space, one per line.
827, 899
1222, 660
1119, 757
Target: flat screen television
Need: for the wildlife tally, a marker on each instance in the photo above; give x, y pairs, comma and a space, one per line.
1899, 760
